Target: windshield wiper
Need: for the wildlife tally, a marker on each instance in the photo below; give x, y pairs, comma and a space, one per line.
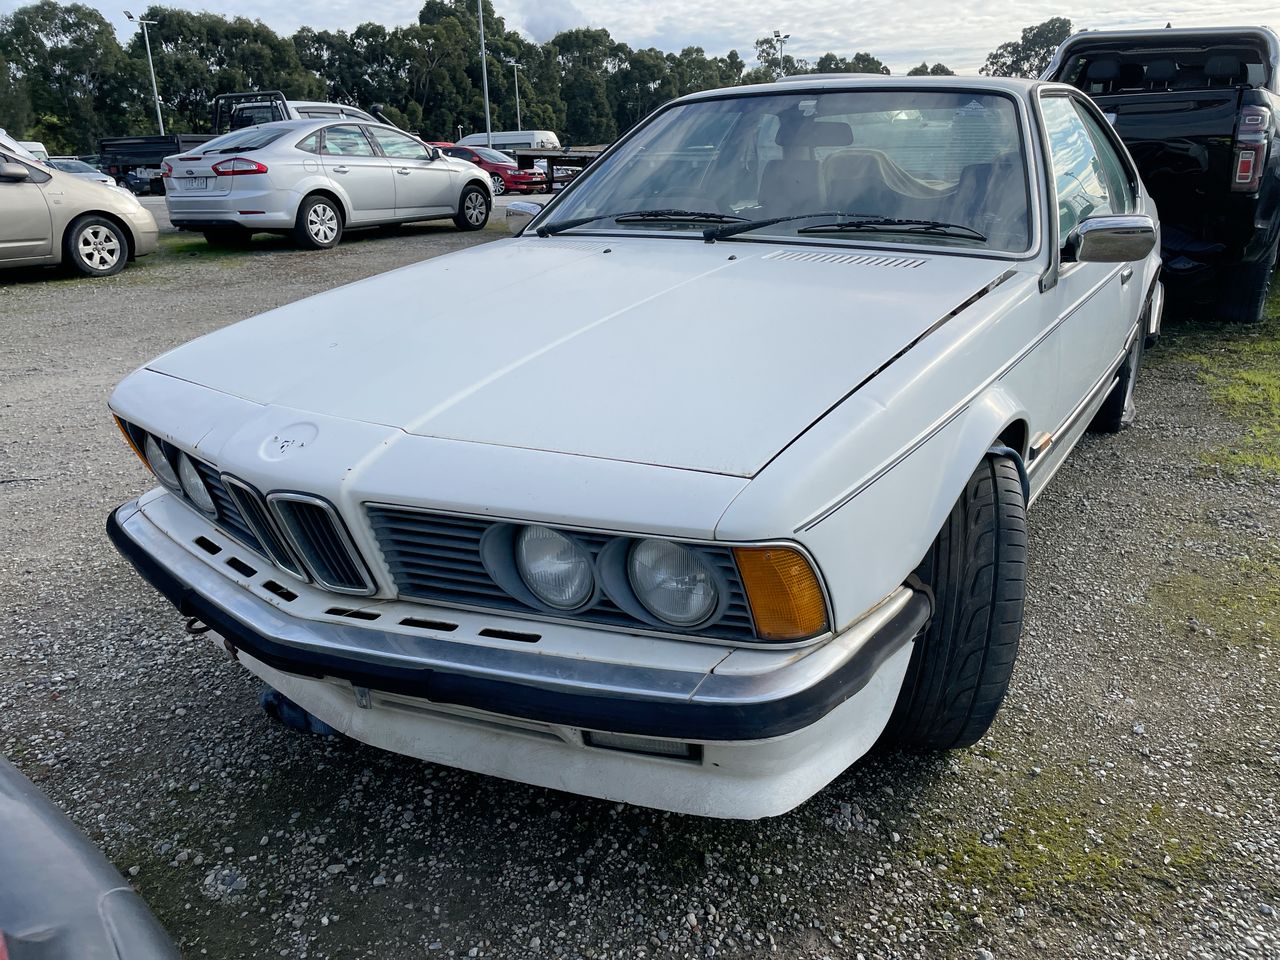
940, 227
719, 233
636, 216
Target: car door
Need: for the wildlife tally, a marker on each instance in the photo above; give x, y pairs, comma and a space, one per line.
26, 227
424, 187
365, 176
1086, 301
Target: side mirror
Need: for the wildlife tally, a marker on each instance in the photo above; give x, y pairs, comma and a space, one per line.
14, 171
434, 153
520, 213
1117, 239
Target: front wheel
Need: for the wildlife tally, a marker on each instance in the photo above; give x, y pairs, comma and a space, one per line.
960, 666
96, 247
473, 209
319, 224
499, 185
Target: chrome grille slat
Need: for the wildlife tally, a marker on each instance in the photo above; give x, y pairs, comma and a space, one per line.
316, 532
254, 511
436, 558
229, 516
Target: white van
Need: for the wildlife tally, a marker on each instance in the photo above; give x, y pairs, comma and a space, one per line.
36, 149
506, 140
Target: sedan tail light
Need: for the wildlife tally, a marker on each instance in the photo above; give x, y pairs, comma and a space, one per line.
166, 169
1252, 140
238, 167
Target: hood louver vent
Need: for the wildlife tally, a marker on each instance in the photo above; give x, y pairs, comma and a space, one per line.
859, 260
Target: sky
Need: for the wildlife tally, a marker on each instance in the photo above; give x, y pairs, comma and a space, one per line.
958, 34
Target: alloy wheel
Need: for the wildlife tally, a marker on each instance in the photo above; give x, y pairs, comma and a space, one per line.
475, 208
499, 185
99, 247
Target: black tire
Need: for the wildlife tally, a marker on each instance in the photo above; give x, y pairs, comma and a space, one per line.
95, 246
1118, 410
473, 208
961, 665
319, 223
1245, 287
226, 239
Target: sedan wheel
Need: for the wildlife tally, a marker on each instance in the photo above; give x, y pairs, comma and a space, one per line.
473, 208
319, 224
499, 185
96, 247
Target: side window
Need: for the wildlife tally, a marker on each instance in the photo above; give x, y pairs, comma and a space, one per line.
398, 146
460, 152
1077, 170
346, 140
1119, 179
311, 144
37, 174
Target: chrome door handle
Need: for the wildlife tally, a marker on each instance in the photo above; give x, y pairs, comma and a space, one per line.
403, 171
1126, 275
341, 169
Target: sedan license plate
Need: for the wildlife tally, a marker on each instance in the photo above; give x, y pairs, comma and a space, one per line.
197, 183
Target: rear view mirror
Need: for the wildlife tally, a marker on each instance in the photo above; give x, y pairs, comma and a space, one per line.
14, 171
520, 213
1110, 239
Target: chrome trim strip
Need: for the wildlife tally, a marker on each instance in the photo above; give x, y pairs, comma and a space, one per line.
639, 629
455, 655
344, 537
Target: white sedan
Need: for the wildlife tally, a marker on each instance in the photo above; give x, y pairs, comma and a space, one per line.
739, 494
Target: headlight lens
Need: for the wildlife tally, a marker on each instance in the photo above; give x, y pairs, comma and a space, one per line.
673, 582
554, 568
194, 486
159, 463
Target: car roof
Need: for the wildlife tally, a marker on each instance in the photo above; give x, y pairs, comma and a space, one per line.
865, 81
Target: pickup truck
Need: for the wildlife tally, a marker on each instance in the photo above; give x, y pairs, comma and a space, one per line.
1197, 109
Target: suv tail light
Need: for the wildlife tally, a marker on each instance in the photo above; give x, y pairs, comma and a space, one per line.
1253, 136
238, 167
166, 169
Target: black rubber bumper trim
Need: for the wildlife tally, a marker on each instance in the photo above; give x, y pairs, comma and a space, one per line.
616, 714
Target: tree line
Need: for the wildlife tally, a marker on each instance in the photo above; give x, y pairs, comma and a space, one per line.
65, 79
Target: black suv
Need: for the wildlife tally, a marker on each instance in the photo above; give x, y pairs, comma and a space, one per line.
1198, 112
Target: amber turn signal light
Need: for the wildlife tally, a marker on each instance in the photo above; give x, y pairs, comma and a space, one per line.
124, 432
786, 598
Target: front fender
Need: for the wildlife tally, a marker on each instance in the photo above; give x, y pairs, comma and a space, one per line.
869, 539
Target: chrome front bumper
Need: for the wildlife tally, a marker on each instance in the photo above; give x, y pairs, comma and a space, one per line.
738, 695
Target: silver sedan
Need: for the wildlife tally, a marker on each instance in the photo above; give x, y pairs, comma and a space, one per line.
316, 178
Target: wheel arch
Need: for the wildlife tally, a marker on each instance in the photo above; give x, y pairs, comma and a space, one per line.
482, 182
130, 237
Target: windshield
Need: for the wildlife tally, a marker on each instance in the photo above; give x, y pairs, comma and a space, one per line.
493, 156
903, 158
73, 166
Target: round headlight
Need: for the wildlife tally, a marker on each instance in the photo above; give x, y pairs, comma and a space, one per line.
159, 463
673, 582
554, 568
194, 486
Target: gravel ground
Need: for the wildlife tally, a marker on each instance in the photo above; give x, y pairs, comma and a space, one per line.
1124, 804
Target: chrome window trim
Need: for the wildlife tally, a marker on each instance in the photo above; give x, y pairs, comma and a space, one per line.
344, 536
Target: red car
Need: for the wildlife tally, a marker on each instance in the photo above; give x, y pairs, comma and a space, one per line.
502, 170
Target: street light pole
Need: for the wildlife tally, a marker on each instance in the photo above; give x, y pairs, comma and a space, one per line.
484, 77
515, 68
146, 39
781, 38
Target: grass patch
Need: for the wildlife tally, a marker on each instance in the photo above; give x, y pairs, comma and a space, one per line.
1061, 847
1239, 603
1241, 368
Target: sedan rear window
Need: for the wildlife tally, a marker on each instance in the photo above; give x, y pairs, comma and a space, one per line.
242, 141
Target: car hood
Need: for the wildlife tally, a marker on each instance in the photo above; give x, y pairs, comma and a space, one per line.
666, 351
